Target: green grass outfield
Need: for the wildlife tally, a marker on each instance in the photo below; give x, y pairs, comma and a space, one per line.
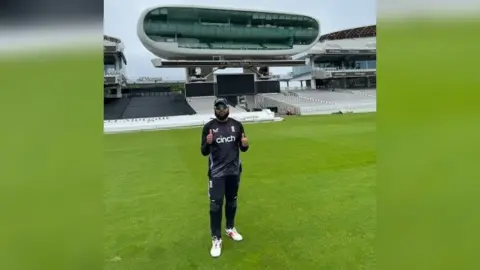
306, 201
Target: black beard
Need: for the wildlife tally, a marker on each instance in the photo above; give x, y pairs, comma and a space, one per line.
222, 118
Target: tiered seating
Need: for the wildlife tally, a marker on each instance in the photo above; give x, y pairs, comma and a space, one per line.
369, 93
315, 101
236, 109
202, 105
348, 100
359, 32
295, 104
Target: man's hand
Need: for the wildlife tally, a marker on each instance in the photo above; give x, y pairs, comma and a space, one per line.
244, 140
210, 137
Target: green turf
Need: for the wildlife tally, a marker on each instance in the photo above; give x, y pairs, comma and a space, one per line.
307, 198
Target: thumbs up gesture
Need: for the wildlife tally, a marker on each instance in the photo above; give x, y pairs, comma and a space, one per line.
244, 140
210, 137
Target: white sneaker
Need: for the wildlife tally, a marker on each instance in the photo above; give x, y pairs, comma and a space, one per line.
216, 250
232, 233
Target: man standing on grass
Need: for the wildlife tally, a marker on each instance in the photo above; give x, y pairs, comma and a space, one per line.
222, 140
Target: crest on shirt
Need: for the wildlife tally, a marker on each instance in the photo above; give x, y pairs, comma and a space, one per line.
215, 130
233, 128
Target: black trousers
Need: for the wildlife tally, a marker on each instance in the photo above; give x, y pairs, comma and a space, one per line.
219, 190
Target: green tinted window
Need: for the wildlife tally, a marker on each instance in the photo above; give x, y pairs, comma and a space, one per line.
223, 16
229, 32
229, 28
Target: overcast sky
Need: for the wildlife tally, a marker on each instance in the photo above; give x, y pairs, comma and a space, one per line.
121, 17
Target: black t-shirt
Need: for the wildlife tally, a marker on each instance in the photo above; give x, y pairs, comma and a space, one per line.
224, 152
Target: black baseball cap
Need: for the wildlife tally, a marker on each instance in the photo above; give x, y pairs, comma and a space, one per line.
220, 103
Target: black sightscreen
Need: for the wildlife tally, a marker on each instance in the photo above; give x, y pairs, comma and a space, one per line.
267, 87
157, 106
235, 84
199, 89
113, 108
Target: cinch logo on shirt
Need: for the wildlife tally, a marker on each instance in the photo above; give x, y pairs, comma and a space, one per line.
228, 139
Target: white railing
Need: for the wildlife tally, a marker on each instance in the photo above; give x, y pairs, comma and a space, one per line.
295, 88
326, 102
150, 80
343, 69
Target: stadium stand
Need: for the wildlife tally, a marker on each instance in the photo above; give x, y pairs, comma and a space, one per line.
237, 109
201, 104
319, 101
343, 99
372, 93
336, 71
114, 71
342, 59
290, 104
204, 105
358, 32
